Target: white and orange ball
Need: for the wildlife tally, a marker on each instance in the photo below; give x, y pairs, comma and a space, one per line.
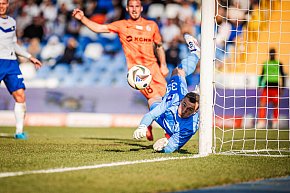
139, 77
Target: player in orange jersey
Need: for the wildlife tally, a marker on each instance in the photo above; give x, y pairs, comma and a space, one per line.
139, 38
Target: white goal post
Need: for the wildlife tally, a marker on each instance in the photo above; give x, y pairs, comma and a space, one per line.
241, 111
206, 77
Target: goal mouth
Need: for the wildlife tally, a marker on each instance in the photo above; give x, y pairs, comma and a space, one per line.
249, 79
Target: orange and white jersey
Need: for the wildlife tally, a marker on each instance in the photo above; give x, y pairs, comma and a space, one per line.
137, 38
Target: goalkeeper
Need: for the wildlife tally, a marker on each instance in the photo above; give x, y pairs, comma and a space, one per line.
177, 113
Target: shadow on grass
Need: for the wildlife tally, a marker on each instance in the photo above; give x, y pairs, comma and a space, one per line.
106, 139
140, 146
128, 142
183, 151
115, 150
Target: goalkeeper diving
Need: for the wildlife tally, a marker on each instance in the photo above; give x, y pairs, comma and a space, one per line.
177, 113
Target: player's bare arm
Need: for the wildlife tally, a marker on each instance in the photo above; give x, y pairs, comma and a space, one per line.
36, 62
161, 56
95, 27
20, 52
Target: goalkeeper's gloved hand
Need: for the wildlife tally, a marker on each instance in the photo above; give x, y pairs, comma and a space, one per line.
140, 132
160, 144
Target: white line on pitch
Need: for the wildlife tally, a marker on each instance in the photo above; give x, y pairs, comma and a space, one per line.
59, 170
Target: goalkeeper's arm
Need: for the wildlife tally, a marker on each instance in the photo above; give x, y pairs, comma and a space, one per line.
147, 119
140, 132
174, 143
164, 145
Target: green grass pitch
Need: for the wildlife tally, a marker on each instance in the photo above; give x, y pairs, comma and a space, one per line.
56, 147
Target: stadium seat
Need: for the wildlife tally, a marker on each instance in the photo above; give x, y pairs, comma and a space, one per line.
105, 4
70, 81
43, 72
89, 80
156, 10
28, 70
78, 68
105, 79
93, 51
110, 42
83, 42
120, 79
171, 10
60, 71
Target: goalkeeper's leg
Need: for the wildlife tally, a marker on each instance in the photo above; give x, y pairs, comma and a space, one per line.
189, 64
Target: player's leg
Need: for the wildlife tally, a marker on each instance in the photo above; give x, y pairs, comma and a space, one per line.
274, 98
154, 93
190, 62
262, 109
14, 83
20, 112
154, 101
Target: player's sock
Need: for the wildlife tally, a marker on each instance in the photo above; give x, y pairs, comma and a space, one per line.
189, 64
167, 135
19, 111
149, 134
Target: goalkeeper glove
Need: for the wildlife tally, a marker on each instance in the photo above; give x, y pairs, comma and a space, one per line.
160, 144
140, 132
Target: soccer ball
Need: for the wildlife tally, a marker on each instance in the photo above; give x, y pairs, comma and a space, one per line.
139, 77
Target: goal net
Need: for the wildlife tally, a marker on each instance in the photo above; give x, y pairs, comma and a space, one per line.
251, 77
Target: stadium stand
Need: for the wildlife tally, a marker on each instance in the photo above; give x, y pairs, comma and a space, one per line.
100, 59
101, 54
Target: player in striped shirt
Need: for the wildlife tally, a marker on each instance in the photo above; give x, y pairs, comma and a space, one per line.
9, 66
178, 112
139, 38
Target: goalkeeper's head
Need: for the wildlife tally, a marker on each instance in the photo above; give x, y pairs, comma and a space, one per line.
189, 105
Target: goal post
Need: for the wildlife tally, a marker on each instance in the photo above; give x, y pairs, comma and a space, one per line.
238, 113
206, 77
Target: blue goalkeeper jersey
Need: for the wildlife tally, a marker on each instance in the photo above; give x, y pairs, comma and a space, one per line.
166, 115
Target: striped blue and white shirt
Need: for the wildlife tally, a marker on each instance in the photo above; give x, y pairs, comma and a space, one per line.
8, 40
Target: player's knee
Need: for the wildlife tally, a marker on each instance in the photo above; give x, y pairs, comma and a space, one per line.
178, 71
156, 99
19, 96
